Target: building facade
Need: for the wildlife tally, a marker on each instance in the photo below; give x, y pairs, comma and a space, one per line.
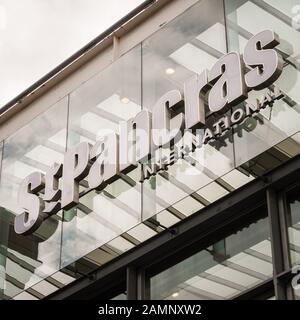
220, 222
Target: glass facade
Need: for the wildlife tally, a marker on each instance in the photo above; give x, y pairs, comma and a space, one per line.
293, 225
108, 98
188, 50
27, 260
282, 120
106, 224
221, 271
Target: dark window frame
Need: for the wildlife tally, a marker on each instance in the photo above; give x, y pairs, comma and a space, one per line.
269, 188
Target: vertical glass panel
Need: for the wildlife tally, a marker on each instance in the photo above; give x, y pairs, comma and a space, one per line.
273, 157
276, 123
296, 290
121, 296
223, 270
3, 240
186, 46
98, 105
28, 259
293, 220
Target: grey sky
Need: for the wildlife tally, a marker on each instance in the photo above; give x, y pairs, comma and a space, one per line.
36, 35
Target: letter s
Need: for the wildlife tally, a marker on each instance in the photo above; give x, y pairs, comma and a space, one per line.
267, 64
228, 83
28, 221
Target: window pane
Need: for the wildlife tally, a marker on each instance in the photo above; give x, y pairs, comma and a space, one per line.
223, 270
35, 147
258, 134
296, 291
3, 241
98, 105
121, 296
293, 220
186, 46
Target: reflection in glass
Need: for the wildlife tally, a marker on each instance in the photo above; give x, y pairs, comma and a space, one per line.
121, 296
221, 271
189, 47
274, 124
108, 223
293, 221
98, 105
297, 293
28, 259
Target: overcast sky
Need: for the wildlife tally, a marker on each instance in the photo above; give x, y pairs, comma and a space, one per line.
37, 35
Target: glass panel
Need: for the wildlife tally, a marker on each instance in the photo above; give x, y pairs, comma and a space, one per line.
28, 259
186, 46
258, 134
93, 260
192, 203
223, 270
3, 240
98, 105
273, 157
121, 296
293, 220
296, 290
189, 44
25, 296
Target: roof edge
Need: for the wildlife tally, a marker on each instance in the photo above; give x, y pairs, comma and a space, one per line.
54, 72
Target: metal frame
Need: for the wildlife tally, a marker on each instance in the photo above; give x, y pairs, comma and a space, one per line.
199, 231
262, 291
135, 268
276, 239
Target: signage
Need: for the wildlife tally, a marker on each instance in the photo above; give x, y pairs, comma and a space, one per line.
173, 116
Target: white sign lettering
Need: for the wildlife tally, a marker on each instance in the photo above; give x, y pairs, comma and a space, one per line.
225, 85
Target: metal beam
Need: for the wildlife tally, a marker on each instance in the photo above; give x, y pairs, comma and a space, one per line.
200, 227
279, 241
